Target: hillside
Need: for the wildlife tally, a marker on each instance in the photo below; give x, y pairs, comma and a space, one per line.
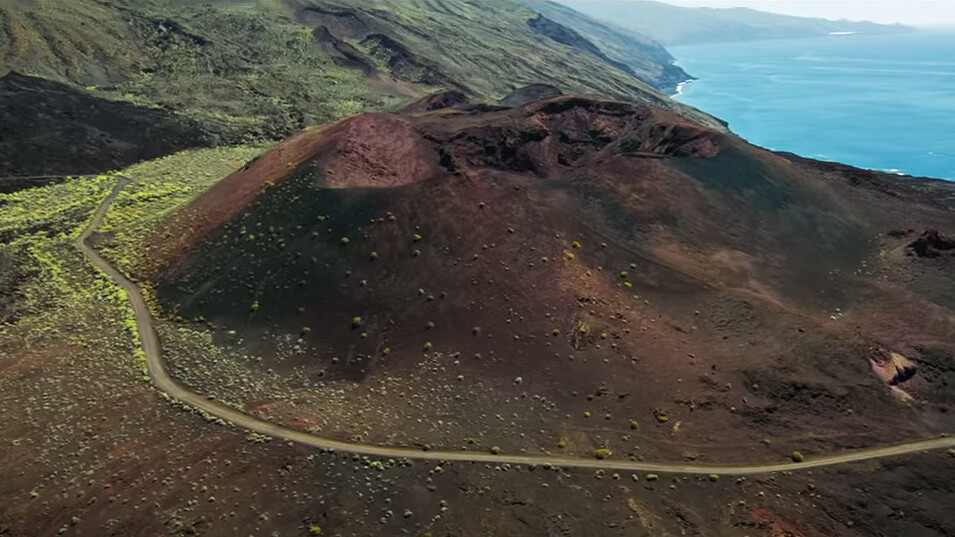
267, 68
678, 25
691, 282
52, 128
646, 57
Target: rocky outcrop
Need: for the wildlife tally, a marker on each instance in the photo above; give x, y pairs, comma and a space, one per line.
932, 244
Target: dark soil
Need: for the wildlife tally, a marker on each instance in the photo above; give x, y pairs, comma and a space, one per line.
53, 129
607, 258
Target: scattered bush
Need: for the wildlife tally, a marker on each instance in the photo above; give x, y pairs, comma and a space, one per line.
602, 453
345, 241
495, 450
797, 456
428, 346
314, 530
714, 477
356, 322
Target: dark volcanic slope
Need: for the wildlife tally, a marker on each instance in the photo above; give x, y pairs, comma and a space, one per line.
53, 129
717, 293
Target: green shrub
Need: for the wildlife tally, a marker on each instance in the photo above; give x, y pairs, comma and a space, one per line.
602, 453
797, 456
345, 241
356, 322
495, 450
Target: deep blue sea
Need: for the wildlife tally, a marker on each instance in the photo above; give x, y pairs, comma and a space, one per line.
881, 102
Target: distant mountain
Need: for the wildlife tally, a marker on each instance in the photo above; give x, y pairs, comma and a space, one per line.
676, 25
644, 56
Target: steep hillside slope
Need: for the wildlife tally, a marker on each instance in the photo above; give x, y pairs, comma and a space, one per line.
244, 65
645, 56
678, 25
607, 268
438, 43
262, 69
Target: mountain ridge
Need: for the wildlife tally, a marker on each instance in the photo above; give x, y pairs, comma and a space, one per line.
679, 25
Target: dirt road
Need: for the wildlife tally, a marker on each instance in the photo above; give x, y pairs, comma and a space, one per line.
164, 382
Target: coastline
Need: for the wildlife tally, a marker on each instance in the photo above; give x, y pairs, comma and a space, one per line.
679, 87
775, 94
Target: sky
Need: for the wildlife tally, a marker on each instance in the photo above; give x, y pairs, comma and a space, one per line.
912, 12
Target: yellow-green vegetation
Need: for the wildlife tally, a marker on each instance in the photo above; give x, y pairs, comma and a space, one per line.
159, 188
257, 438
48, 288
797, 456
602, 453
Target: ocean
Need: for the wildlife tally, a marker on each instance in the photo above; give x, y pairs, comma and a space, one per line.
879, 102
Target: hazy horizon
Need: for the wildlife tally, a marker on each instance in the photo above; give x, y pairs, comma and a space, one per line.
923, 13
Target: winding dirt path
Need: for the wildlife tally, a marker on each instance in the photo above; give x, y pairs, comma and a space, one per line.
163, 381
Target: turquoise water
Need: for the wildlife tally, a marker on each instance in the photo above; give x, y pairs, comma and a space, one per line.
880, 102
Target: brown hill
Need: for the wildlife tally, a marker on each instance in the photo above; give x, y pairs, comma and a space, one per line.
592, 262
